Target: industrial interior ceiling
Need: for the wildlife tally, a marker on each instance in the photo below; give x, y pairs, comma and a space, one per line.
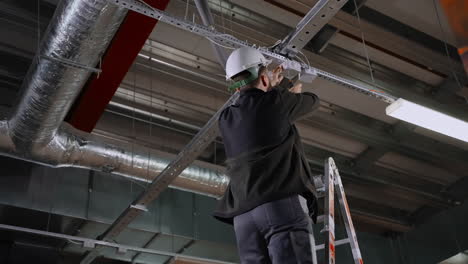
58, 113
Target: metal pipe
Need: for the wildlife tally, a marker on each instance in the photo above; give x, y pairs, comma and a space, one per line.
207, 19
73, 148
76, 37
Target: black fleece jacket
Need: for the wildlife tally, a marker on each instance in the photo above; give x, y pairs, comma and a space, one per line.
266, 161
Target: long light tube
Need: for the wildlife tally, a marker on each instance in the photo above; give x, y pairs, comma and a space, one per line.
428, 118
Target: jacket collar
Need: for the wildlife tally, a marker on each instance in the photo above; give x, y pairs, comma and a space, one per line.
250, 90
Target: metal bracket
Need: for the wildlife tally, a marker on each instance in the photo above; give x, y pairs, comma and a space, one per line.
121, 251
89, 244
139, 207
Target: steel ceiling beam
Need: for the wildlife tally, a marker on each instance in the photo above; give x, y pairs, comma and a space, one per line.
119, 57
309, 26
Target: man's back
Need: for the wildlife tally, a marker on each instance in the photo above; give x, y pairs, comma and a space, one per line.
265, 156
255, 121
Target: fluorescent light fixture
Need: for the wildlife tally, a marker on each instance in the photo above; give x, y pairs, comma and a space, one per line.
428, 118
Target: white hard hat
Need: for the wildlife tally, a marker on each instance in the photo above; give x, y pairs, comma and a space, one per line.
242, 59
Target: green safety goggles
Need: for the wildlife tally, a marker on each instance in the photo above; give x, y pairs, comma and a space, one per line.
252, 77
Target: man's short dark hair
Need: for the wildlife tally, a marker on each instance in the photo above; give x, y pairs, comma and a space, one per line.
246, 74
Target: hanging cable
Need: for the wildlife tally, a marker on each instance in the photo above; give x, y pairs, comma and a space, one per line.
74, 242
151, 107
38, 25
222, 16
146, 4
231, 16
133, 132
307, 59
364, 41
186, 10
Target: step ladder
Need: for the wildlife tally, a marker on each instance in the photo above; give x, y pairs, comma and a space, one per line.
325, 186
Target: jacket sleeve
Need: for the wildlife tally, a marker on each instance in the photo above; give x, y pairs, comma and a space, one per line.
296, 105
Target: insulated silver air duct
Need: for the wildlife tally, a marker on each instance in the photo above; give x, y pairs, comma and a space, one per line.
73, 148
77, 36
75, 40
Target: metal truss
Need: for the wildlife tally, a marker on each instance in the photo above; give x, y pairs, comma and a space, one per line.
232, 42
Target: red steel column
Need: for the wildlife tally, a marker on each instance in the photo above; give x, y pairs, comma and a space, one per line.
118, 58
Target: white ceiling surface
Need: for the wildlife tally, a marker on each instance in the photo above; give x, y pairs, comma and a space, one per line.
182, 40
386, 59
272, 12
334, 143
349, 99
418, 14
423, 170
442, 138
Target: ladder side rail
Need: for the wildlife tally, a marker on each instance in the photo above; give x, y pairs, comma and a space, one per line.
329, 213
348, 222
313, 246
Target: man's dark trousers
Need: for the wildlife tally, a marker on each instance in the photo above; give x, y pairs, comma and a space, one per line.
274, 232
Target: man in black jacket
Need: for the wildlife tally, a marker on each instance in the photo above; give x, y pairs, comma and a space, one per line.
270, 179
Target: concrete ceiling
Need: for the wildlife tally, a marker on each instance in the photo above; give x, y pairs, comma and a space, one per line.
419, 14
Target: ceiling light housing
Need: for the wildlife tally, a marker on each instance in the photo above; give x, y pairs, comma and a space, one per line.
428, 118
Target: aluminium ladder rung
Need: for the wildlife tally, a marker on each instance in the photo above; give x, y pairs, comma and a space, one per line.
337, 243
